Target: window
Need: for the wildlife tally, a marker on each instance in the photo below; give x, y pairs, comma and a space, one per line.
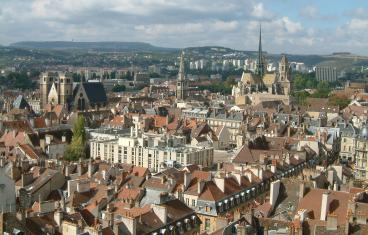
193, 202
208, 208
207, 224
187, 201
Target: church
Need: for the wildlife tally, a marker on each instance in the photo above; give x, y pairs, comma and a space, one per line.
259, 86
57, 88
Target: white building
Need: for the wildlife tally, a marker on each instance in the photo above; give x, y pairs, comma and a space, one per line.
153, 151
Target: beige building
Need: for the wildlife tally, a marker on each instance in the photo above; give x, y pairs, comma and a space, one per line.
361, 154
259, 86
153, 151
56, 88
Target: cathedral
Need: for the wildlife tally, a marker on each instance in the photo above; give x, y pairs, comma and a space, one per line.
258, 86
58, 89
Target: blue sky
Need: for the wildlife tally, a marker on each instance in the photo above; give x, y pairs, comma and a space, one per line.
289, 26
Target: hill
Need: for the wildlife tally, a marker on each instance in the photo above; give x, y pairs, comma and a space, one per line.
98, 46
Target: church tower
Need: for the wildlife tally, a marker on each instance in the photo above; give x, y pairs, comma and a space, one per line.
66, 88
181, 85
46, 81
261, 65
284, 75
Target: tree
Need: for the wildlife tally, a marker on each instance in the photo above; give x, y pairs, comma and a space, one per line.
77, 148
323, 90
118, 88
342, 102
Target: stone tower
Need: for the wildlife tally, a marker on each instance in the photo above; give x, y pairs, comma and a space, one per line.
66, 88
46, 81
284, 75
181, 85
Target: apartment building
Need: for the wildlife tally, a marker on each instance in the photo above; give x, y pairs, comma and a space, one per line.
154, 151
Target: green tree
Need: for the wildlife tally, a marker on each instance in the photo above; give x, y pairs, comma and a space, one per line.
323, 90
118, 88
77, 148
342, 102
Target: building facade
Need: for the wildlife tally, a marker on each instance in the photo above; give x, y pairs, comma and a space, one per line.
153, 151
326, 73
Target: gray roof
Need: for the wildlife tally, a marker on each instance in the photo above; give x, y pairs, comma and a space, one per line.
95, 92
20, 103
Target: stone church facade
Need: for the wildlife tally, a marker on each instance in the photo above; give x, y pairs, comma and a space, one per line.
58, 89
259, 86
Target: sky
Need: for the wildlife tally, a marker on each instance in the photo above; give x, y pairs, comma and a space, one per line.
288, 26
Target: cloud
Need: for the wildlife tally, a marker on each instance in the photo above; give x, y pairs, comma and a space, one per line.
309, 12
357, 24
182, 23
260, 12
360, 13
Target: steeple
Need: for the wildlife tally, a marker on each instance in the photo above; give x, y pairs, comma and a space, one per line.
181, 74
260, 44
181, 85
260, 67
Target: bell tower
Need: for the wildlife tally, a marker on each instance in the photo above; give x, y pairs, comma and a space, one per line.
46, 81
284, 75
181, 85
66, 88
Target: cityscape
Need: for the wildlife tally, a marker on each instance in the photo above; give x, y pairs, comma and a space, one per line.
152, 117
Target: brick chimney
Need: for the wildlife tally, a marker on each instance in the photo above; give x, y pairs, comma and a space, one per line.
201, 184
187, 179
220, 183
161, 212
324, 205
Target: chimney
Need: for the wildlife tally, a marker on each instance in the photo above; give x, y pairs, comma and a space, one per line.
200, 186
288, 131
260, 173
161, 213
130, 223
273, 168
67, 171
274, 192
32, 122
301, 190
335, 187
58, 216
48, 139
238, 177
324, 205
163, 179
43, 144
48, 122
330, 177
79, 169
248, 174
187, 179
105, 175
90, 170
219, 166
220, 183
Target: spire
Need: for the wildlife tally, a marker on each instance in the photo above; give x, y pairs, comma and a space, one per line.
181, 74
260, 44
260, 68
